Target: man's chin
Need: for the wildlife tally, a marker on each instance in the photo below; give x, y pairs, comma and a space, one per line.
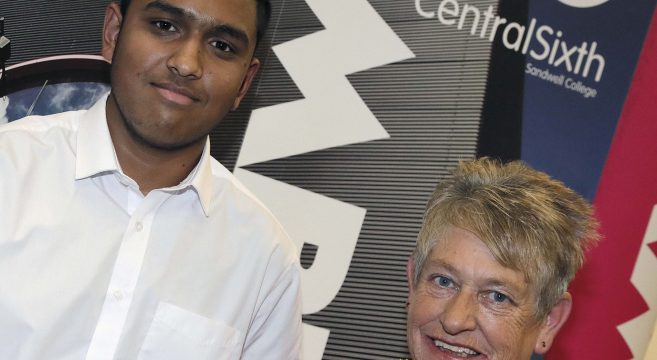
162, 140
167, 145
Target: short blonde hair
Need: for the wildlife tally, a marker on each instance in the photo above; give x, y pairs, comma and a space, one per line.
530, 222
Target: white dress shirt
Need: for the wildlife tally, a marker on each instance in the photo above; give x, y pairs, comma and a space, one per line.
92, 269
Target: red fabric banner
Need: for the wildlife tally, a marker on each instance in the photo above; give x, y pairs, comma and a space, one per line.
602, 293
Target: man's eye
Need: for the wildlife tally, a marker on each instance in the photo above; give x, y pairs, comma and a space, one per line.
497, 297
443, 281
222, 46
164, 25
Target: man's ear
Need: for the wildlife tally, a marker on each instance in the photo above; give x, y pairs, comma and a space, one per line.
554, 321
246, 83
111, 29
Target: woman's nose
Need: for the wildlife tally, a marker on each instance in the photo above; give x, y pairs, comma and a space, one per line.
459, 314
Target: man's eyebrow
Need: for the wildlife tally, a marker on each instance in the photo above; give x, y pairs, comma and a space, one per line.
221, 29
166, 7
231, 31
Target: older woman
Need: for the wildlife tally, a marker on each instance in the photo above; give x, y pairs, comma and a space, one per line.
489, 276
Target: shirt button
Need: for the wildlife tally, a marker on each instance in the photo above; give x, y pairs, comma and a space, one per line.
118, 295
139, 226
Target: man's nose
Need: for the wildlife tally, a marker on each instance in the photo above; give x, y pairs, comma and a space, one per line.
459, 314
186, 60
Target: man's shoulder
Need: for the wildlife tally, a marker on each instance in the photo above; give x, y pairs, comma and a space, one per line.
39, 137
231, 189
250, 209
39, 125
36, 143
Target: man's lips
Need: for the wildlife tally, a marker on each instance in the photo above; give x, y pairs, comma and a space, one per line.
176, 94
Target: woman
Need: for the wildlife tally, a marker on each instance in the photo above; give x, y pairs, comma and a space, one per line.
489, 276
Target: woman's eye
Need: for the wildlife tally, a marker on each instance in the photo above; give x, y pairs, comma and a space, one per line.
497, 296
164, 25
444, 281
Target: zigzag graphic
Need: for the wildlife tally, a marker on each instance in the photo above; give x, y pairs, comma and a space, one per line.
331, 114
638, 331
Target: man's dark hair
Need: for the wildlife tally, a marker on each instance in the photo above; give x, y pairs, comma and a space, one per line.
264, 14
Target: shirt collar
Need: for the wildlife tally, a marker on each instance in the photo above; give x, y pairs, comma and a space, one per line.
95, 151
202, 179
96, 155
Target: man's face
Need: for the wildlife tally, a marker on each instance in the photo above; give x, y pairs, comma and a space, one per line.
178, 66
467, 305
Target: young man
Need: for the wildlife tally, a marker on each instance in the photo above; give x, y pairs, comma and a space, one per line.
120, 237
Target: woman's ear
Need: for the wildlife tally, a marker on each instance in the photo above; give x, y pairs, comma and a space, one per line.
409, 273
111, 29
553, 322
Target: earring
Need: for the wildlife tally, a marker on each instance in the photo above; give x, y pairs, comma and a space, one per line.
543, 344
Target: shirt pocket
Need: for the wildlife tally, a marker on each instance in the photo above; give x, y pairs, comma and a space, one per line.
176, 333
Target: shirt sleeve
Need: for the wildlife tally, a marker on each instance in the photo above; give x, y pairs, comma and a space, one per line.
276, 329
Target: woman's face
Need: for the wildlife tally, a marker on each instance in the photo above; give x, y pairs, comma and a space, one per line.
466, 305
